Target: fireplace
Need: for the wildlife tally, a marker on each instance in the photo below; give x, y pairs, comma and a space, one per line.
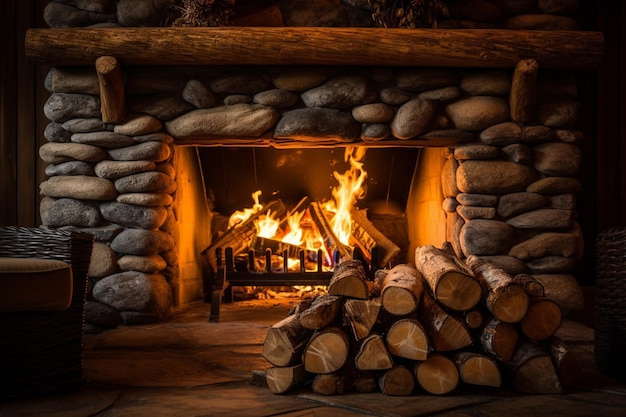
136, 114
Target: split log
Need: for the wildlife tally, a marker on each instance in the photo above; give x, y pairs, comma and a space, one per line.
285, 342
367, 237
328, 384
533, 371
478, 369
397, 381
407, 338
365, 382
361, 315
282, 379
437, 375
499, 339
566, 363
523, 96
451, 283
401, 290
112, 94
372, 354
506, 300
349, 280
531, 285
445, 331
326, 351
542, 319
322, 312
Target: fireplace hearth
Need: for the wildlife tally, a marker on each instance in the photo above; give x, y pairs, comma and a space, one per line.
493, 113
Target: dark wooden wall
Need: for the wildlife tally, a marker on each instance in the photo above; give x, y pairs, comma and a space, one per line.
602, 203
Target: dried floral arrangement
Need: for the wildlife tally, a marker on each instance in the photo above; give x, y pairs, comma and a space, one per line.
200, 13
408, 13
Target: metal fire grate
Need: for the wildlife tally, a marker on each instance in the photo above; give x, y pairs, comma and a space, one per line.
233, 274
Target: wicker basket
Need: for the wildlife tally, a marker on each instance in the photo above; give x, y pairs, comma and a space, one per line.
610, 317
42, 352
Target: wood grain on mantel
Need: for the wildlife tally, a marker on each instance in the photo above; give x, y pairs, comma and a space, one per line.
480, 48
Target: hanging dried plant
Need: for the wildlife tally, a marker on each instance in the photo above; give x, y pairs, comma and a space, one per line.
408, 13
201, 13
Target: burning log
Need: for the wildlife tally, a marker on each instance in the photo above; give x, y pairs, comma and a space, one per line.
450, 282
260, 245
437, 375
331, 241
367, 237
349, 280
506, 300
401, 290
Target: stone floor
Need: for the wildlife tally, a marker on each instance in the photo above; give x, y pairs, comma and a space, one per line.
191, 367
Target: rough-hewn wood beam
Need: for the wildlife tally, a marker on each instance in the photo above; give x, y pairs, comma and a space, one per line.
315, 46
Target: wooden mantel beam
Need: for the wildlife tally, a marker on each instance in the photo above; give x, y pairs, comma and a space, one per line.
482, 48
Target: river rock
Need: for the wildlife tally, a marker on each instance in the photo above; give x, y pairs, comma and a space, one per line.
70, 168
502, 134
154, 137
558, 159
149, 264
555, 185
163, 107
518, 153
441, 94
146, 151
116, 169
563, 202
494, 177
101, 315
56, 152
373, 113
141, 12
413, 118
146, 182
54, 132
68, 212
551, 265
104, 139
247, 83
133, 216
375, 131
232, 99
61, 15
136, 291
492, 83
301, 78
537, 134
239, 120
82, 80
558, 113
422, 79
103, 261
145, 199
339, 93
480, 200
139, 125
80, 187
543, 219
546, 244
198, 94
448, 178
516, 203
61, 107
92, 124
472, 212
142, 242
476, 151
486, 237
311, 124
394, 96
276, 98
478, 112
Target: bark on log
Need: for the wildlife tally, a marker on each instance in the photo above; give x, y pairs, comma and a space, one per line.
499, 339
349, 280
328, 384
361, 316
566, 363
401, 290
282, 379
437, 375
285, 341
372, 354
543, 318
531, 285
481, 48
112, 93
451, 283
523, 96
407, 338
331, 241
445, 331
397, 381
326, 351
478, 369
506, 300
322, 312
533, 371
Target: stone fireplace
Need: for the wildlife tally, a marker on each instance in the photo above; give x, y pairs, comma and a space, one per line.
494, 138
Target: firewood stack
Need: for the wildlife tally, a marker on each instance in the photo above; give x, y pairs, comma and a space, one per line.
429, 329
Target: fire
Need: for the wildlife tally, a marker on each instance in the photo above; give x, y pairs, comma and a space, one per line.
300, 231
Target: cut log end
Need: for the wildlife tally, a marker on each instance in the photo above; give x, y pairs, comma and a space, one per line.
542, 320
437, 375
326, 352
458, 291
510, 305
